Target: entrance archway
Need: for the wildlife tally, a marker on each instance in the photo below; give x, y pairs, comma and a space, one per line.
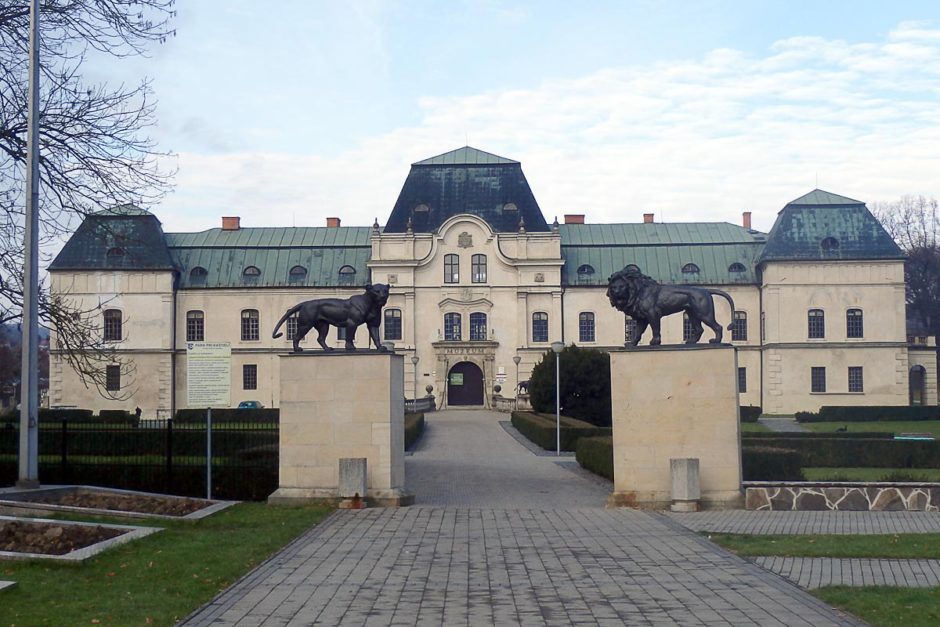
465, 384
918, 387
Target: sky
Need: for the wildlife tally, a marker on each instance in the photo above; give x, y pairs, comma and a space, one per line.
284, 114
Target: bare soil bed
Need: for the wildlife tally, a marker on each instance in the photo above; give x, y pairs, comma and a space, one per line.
143, 503
51, 538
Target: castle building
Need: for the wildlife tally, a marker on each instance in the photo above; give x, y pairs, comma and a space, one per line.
481, 284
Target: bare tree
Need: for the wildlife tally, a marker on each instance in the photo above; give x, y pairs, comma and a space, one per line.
94, 150
914, 223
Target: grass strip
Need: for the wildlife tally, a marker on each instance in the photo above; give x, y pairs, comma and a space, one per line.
892, 426
156, 580
897, 546
754, 427
885, 606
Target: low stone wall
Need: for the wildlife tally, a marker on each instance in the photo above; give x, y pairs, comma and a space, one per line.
855, 497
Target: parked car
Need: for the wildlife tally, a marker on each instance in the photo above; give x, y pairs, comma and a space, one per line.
250, 405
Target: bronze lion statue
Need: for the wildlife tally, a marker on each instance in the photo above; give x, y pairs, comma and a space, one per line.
347, 313
647, 302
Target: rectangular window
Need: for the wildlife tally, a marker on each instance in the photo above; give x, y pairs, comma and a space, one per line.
292, 327
856, 380
817, 323
742, 380
113, 321
392, 324
451, 269
739, 327
586, 327
687, 331
452, 327
540, 327
818, 379
195, 326
112, 378
853, 323
250, 376
341, 334
478, 269
250, 325
629, 331
477, 327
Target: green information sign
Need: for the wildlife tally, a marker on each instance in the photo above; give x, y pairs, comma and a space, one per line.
456, 378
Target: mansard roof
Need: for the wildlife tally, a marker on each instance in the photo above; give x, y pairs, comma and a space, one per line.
470, 181
821, 225
120, 238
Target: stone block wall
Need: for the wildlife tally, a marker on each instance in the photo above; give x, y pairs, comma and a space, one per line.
856, 497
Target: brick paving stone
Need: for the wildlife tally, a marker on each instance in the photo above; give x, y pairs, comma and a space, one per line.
501, 536
815, 572
794, 523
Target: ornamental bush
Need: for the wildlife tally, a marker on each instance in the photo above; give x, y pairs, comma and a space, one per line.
597, 455
766, 463
871, 413
585, 384
750, 413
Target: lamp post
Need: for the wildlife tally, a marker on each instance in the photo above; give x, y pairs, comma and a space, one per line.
557, 347
414, 362
516, 359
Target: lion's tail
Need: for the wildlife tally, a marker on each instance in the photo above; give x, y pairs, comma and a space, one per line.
290, 312
728, 298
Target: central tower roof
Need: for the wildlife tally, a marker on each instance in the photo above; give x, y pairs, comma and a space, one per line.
466, 180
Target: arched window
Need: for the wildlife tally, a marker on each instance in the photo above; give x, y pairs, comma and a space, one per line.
392, 324
540, 326
585, 273
297, 274
629, 330
195, 326
115, 252
347, 275
113, 325
422, 208
817, 323
687, 330
739, 327
251, 324
451, 269
198, 275
690, 268
586, 327
737, 267
251, 274
452, 327
854, 326
478, 327
478, 269
829, 244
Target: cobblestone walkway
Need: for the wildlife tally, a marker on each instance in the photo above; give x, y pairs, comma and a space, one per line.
501, 536
815, 572
827, 522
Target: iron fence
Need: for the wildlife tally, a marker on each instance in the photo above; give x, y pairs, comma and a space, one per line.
154, 456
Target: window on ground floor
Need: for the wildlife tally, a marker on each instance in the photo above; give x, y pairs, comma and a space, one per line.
856, 380
818, 379
250, 376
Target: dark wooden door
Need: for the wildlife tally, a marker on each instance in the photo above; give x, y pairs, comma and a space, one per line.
465, 384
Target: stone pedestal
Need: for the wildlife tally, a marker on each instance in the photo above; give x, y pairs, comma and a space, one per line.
671, 402
337, 405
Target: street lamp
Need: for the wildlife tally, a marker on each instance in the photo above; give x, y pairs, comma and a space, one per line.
516, 359
414, 362
557, 347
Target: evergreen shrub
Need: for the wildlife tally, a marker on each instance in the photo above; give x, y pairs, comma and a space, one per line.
871, 413
767, 463
585, 384
414, 427
596, 455
750, 413
540, 429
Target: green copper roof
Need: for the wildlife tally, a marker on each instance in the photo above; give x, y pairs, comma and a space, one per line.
465, 156
656, 233
106, 241
821, 225
224, 254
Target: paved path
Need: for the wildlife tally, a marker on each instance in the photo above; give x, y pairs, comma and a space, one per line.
827, 522
783, 425
815, 572
501, 536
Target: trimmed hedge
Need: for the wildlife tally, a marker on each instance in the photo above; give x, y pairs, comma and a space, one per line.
72, 415
855, 452
750, 413
872, 413
820, 435
767, 463
596, 455
267, 414
541, 430
414, 427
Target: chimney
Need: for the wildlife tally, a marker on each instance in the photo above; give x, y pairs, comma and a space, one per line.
574, 218
647, 218
332, 223
746, 219
231, 223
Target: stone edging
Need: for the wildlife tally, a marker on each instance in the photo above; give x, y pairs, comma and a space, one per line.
855, 497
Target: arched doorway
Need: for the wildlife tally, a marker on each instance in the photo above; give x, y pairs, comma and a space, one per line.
465, 384
918, 387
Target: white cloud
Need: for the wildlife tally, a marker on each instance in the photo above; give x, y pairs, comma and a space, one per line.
699, 139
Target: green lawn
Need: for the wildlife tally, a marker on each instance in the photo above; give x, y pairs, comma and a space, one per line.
754, 427
900, 426
895, 546
868, 474
156, 580
886, 607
